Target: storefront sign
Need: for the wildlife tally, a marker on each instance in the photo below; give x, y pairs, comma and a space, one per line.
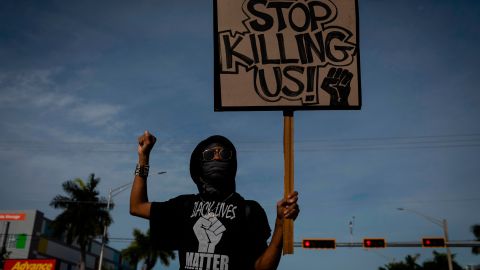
12, 216
29, 264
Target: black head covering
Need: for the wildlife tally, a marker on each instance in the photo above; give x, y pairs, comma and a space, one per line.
227, 186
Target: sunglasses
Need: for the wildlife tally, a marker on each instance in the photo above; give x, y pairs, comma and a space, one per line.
220, 152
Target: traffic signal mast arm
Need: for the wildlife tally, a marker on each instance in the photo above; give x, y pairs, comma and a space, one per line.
454, 244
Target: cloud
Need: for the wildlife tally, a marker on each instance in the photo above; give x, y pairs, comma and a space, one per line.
37, 88
50, 91
96, 114
50, 99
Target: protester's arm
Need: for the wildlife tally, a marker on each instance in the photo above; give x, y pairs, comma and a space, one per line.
286, 209
139, 204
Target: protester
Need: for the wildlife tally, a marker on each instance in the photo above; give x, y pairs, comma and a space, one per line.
216, 228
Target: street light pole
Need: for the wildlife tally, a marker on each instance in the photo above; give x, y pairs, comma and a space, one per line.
440, 222
445, 233
112, 193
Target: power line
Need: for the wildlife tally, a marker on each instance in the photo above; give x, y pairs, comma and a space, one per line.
405, 244
387, 202
455, 136
302, 145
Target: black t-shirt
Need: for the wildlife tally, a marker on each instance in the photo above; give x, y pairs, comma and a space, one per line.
228, 235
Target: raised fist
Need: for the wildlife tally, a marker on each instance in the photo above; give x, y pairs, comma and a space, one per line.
145, 144
209, 230
337, 84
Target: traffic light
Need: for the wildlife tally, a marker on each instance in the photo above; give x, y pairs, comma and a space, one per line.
319, 243
374, 243
433, 242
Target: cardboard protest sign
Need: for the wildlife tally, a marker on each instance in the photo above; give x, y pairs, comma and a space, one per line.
286, 55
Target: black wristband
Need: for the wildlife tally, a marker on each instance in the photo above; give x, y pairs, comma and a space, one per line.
142, 170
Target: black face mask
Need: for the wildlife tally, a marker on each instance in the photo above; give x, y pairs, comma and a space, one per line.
218, 178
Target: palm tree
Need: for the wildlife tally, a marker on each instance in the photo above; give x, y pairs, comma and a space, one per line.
142, 248
84, 214
440, 262
410, 263
476, 231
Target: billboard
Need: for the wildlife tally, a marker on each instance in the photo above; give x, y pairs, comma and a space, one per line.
286, 55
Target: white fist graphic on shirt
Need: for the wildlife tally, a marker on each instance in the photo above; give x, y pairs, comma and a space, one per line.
209, 230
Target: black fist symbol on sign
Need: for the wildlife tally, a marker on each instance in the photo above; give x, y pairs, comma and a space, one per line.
337, 85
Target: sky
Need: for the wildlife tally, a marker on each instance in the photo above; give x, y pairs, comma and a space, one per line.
81, 80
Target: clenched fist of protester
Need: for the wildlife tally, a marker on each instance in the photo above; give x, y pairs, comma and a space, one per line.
145, 145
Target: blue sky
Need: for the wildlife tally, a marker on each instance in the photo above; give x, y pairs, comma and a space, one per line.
80, 80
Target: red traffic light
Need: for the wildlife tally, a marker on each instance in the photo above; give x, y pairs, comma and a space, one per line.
319, 243
374, 243
432, 242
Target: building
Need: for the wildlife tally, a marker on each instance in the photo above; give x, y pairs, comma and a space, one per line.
26, 234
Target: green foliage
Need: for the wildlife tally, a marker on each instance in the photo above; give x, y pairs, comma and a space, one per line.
439, 262
410, 263
476, 231
141, 249
84, 213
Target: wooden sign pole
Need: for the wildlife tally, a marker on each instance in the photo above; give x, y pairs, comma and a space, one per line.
288, 177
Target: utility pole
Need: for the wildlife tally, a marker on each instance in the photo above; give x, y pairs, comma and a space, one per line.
3, 251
